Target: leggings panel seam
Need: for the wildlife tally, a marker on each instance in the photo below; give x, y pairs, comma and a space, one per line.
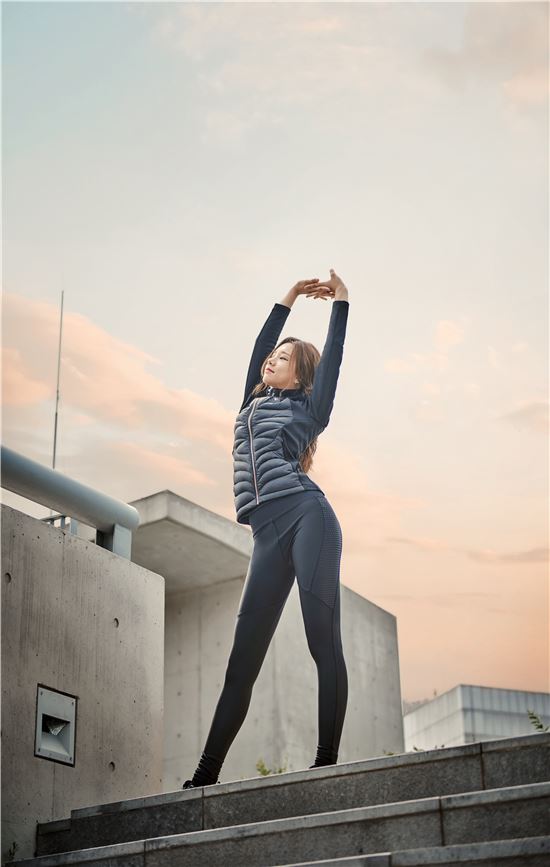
337, 677
278, 540
322, 601
320, 547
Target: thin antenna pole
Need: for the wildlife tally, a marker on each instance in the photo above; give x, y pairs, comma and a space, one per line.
57, 392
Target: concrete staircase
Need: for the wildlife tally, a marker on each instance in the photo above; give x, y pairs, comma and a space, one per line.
486, 803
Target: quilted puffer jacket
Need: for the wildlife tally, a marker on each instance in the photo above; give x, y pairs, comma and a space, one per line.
274, 428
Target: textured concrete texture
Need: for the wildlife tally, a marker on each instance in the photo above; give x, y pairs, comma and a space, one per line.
79, 619
525, 852
450, 796
205, 558
518, 811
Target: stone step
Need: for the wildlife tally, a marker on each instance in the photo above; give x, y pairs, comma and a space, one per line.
470, 817
522, 852
376, 781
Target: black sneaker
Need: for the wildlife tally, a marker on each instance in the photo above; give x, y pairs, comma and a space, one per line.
189, 784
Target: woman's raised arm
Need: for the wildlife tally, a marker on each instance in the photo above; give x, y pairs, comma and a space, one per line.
321, 399
265, 341
270, 333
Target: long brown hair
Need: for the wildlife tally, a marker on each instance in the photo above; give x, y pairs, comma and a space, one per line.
305, 358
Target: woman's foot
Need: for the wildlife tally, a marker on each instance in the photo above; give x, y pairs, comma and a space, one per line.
189, 784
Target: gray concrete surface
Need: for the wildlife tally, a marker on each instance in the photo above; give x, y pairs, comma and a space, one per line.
405, 777
82, 620
469, 818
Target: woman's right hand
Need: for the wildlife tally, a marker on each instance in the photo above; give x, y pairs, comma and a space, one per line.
312, 288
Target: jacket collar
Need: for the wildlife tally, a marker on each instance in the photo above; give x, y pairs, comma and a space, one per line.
283, 392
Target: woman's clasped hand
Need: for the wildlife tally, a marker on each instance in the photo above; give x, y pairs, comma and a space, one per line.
314, 288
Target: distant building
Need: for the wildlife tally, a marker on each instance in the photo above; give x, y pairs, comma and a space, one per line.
467, 713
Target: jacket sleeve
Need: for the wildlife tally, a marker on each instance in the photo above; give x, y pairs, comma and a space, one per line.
265, 343
321, 399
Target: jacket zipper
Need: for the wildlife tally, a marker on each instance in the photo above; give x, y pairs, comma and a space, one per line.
254, 405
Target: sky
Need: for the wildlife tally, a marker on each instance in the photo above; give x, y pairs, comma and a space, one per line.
174, 168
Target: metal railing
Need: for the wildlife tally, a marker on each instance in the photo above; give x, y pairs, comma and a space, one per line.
113, 520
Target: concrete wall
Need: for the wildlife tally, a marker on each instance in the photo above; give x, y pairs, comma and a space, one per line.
281, 725
148, 670
82, 620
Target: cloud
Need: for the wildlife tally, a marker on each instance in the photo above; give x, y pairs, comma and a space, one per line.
367, 515
482, 555
265, 59
232, 127
262, 61
451, 599
530, 416
533, 555
421, 544
447, 335
326, 24
506, 43
494, 358
102, 376
430, 361
155, 465
19, 386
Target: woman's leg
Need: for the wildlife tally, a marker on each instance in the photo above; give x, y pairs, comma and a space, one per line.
316, 553
268, 582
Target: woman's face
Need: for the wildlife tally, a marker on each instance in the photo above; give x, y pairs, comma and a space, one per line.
278, 371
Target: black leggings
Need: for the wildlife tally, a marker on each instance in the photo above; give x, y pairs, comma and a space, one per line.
295, 536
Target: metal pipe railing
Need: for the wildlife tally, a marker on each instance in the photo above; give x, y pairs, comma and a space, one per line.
113, 519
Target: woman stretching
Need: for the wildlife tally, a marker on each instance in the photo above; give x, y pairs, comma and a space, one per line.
288, 400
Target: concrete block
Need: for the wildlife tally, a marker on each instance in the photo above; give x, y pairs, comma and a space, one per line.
496, 814
512, 761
